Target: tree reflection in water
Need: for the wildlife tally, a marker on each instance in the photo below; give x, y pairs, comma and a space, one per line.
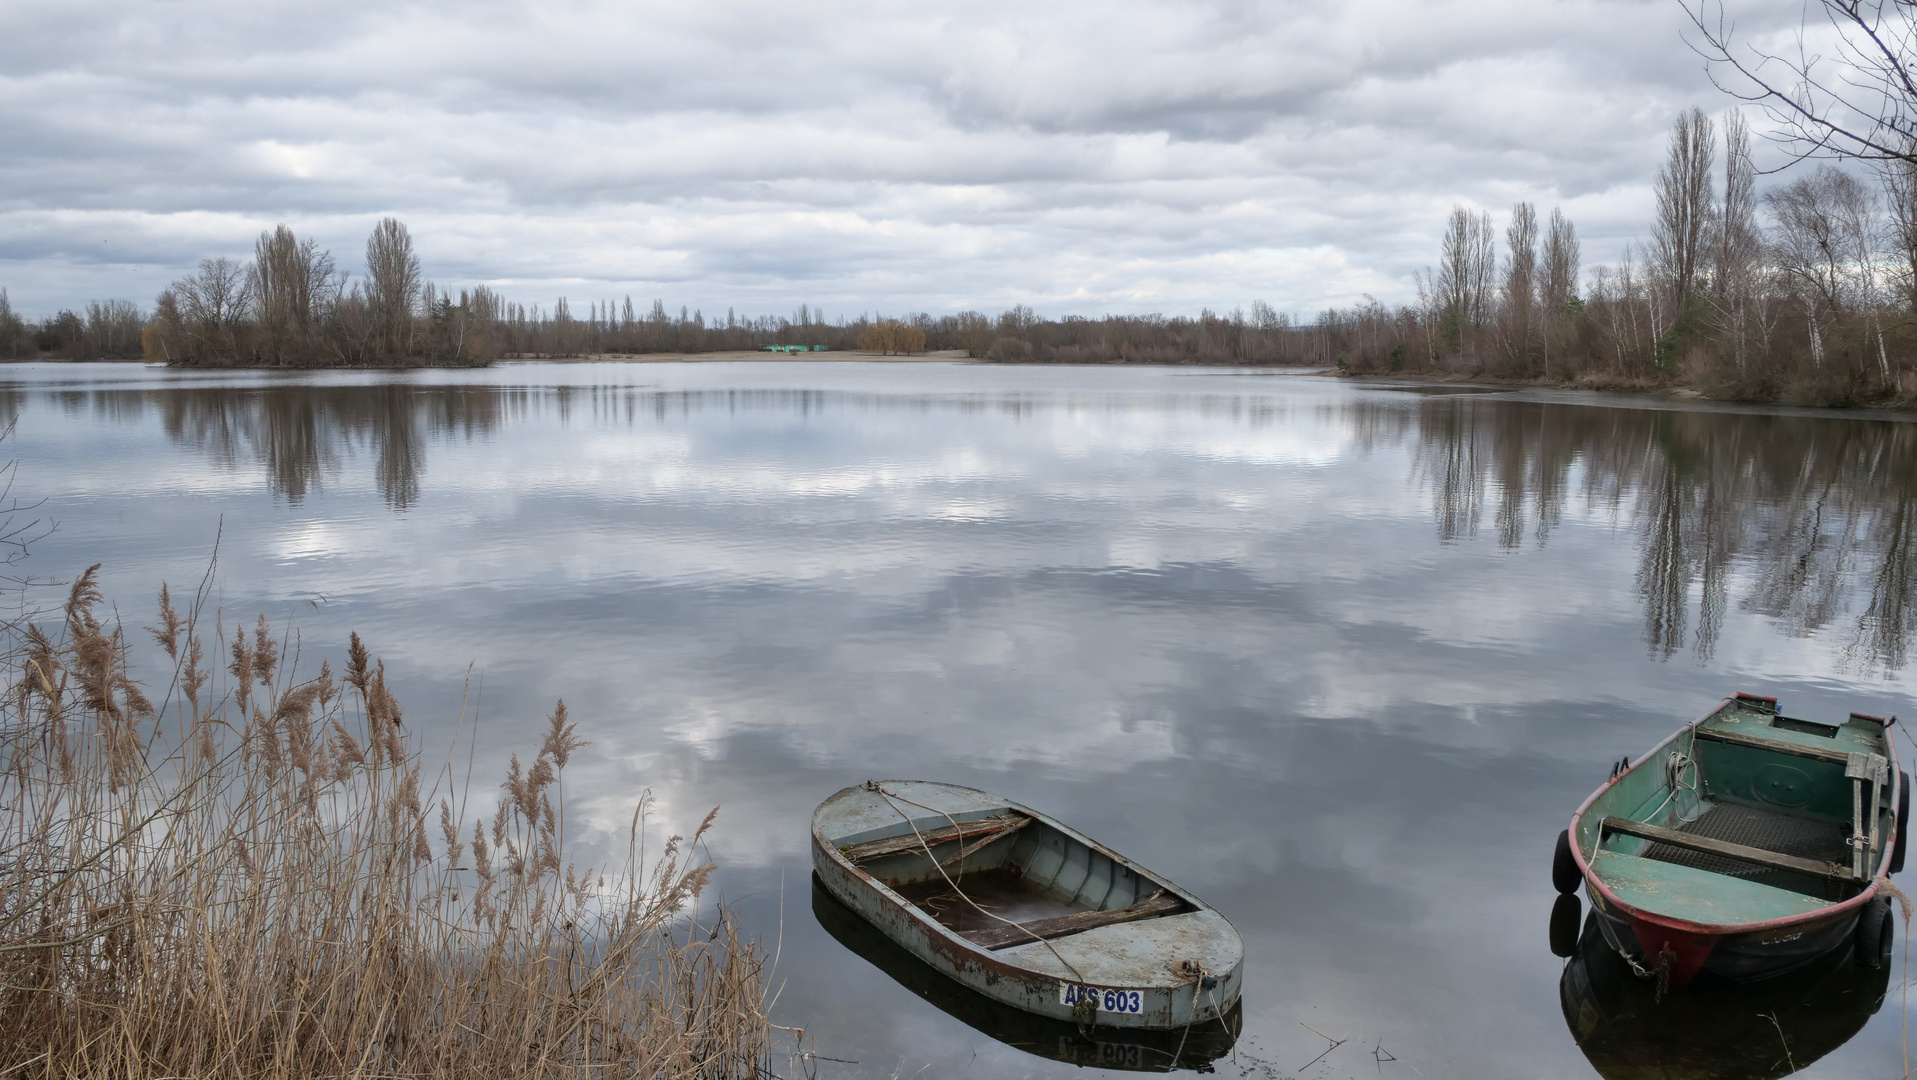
1805, 519
300, 434
1817, 512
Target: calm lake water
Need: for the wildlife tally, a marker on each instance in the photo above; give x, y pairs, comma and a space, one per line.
1341, 659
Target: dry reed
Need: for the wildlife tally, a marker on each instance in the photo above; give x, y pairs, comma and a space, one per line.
256, 877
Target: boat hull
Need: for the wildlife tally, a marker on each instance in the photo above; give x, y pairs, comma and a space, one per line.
1018, 977
1720, 954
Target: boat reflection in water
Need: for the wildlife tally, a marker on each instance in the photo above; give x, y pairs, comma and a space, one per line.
1708, 1031
1100, 1047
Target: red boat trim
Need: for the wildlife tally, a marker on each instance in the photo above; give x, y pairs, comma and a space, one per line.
1592, 881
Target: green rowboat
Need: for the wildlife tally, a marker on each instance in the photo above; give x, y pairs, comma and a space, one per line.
1746, 845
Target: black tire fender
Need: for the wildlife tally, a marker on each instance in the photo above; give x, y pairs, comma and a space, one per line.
1566, 916
1564, 866
1903, 822
1874, 933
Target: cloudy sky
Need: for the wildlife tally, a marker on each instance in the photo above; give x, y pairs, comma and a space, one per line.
856, 155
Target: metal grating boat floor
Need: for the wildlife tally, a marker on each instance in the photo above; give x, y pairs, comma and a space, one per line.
1784, 834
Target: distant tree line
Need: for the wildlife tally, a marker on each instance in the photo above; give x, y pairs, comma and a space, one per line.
289, 307
1808, 294
1016, 336
106, 330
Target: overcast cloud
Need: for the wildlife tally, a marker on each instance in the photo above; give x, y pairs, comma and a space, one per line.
1119, 156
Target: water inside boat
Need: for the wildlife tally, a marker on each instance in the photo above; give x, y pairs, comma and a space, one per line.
1748, 816
1008, 879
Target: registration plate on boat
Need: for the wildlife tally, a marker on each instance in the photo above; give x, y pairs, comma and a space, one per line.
1106, 1000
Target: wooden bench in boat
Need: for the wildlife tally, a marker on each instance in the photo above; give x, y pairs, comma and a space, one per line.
1004, 937
981, 831
1776, 746
1725, 849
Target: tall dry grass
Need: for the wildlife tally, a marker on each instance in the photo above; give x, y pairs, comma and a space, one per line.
260, 876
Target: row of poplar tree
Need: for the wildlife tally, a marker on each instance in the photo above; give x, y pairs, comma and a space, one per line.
1806, 293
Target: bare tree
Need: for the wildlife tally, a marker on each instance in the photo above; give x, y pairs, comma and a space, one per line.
1823, 247
351, 327
393, 285
1900, 189
293, 287
113, 328
1858, 102
199, 317
215, 299
1737, 262
1557, 279
889, 336
462, 331
1685, 207
567, 337
1520, 278
1633, 310
1467, 264
13, 329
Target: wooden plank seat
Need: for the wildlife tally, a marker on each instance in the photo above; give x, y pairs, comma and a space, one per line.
992, 837
1005, 937
1724, 849
1776, 746
996, 825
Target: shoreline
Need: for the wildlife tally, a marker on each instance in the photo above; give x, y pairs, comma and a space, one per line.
1622, 391
1642, 395
740, 356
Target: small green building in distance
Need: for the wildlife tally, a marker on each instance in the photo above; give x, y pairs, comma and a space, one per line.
792, 348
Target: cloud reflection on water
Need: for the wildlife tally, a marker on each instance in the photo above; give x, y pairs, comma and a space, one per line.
1806, 521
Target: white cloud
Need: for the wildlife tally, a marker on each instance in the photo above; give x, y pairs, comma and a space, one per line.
860, 155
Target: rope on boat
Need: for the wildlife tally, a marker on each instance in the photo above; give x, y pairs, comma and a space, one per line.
1662, 972
874, 785
1674, 767
1202, 976
1085, 1011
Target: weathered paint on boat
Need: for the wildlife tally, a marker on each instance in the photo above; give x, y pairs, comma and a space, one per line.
1186, 967
1682, 921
